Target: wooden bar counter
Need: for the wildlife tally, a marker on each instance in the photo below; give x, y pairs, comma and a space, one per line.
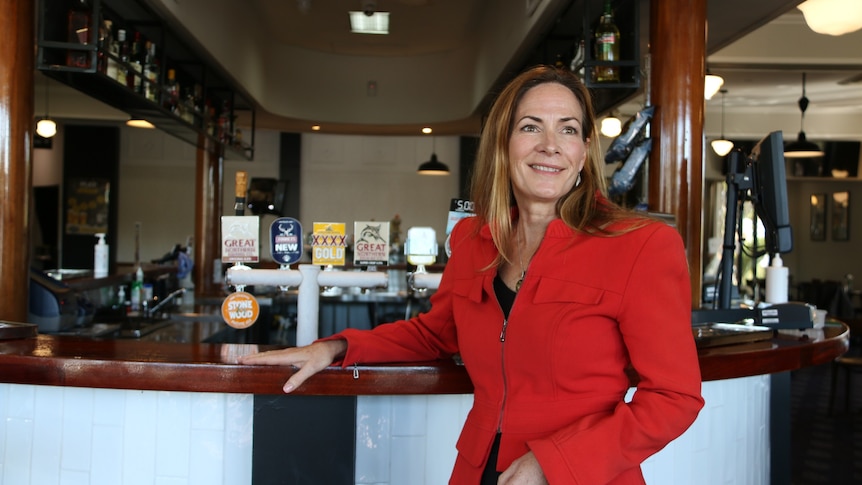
157, 410
132, 364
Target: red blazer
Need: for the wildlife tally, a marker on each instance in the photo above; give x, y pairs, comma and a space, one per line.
552, 377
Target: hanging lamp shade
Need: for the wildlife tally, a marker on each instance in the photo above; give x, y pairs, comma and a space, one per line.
802, 148
722, 146
712, 83
611, 126
832, 17
433, 167
46, 128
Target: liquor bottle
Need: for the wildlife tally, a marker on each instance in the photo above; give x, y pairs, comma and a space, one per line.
172, 91
211, 120
122, 76
607, 47
113, 52
198, 94
105, 39
224, 134
133, 81
188, 104
577, 64
79, 33
151, 72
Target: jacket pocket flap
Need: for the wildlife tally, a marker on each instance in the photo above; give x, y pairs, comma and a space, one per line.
469, 288
559, 291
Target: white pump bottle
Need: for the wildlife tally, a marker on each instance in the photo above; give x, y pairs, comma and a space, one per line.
100, 257
777, 277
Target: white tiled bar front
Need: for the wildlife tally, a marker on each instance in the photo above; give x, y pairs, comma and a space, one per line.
411, 439
71, 436
77, 436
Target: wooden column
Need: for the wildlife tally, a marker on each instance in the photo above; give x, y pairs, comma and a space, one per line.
208, 209
678, 53
17, 128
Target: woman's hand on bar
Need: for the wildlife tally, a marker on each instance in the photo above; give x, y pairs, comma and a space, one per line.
308, 360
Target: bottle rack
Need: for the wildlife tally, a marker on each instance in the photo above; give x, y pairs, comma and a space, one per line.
576, 24
80, 66
627, 17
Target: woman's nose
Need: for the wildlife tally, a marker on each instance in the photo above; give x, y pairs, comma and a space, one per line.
549, 143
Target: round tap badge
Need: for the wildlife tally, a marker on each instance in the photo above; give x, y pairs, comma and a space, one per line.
240, 309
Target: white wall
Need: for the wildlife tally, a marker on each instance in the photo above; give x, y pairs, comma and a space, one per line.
344, 178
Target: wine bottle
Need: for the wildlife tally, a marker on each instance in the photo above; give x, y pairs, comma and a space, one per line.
102, 46
151, 72
133, 81
607, 47
122, 66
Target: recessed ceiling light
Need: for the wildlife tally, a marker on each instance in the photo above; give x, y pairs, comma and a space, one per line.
315, 127
427, 130
376, 23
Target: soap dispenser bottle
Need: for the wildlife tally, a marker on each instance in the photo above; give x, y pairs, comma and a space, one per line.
100, 257
777, 277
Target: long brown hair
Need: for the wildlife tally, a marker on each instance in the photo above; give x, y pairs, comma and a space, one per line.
491, 186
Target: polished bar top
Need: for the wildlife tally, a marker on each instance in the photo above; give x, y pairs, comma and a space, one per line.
135, 364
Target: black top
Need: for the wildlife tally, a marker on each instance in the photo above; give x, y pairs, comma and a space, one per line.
505, 296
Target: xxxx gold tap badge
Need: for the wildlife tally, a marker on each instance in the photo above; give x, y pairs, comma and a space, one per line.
240, 310
328, 241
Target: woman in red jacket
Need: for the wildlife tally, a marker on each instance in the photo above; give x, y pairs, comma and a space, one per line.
552, 296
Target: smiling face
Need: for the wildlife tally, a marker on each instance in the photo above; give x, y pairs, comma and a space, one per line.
547, 149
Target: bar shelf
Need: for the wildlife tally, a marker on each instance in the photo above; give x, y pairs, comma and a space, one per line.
81, 65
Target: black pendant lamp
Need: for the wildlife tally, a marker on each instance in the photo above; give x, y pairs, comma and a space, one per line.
802, 148
433, 166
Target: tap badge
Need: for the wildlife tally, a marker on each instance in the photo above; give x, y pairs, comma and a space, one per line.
240, 239
328, 241
286, 240
372, 243
240, 310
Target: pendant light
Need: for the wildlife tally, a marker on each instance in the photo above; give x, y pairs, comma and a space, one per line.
832, 17
722, 146
611, 126
802, 148
46, 127
433, 166
712, 83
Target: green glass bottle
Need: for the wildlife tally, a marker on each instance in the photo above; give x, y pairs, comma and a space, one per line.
607, 47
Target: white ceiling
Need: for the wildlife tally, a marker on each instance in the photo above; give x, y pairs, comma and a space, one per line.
302, 66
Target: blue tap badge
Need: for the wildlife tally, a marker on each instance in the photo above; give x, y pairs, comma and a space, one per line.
286, 238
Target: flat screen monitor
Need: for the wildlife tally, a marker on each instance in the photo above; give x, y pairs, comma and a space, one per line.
769, 192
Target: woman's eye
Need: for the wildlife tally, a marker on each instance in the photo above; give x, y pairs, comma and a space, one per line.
570, 130
530, 128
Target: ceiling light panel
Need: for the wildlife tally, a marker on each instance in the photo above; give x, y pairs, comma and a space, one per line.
376, 23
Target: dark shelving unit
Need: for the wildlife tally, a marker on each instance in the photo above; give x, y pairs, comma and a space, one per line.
577, 24
173, 52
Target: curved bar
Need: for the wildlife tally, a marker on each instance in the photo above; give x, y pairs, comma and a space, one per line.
131, 364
